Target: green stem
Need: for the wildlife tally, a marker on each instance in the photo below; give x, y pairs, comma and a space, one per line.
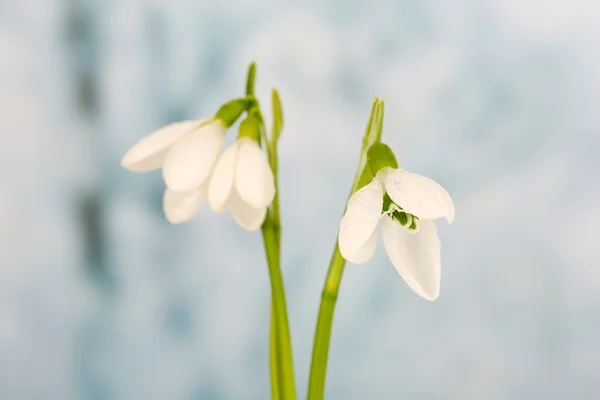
329, 296
318, 368
280, 345
283, 344
273, 357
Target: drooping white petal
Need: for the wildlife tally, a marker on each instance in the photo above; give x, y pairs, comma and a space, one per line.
245, 215
221, 180
416, 256
149, 153
419, 195
365, 252
180, 207
360, 220
253, 176
189, 161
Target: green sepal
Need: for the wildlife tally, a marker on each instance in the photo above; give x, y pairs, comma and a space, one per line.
250, 127
232, 110
380, 156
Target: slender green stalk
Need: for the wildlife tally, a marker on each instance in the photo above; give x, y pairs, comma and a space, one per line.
318, 368
273, 357
273, 347
283, 345
272, 147
272, 152
280, 346
272, 235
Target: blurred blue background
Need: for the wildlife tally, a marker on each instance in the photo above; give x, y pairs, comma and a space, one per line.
101, 298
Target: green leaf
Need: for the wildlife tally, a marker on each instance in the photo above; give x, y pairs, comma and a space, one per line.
365, 177
372, 136
375, 125
277, 115
251, 79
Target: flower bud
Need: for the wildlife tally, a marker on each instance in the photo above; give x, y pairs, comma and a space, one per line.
380, 156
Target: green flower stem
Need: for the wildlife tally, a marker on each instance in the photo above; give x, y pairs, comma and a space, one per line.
272, 152
282, 356
280, 345
318, 368
273, 357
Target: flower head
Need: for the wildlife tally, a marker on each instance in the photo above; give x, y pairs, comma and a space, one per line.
242, 181
406, 204
187, 152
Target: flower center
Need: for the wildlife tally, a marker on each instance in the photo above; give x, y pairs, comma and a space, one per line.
396, 212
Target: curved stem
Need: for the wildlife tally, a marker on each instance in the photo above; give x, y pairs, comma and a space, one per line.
318, 368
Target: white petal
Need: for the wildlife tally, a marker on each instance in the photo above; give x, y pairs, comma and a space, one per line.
221, 179
180, 207
365, 252
360, 220
419, 195
245, 215
253, 176
149, 153
189, 162
416, 256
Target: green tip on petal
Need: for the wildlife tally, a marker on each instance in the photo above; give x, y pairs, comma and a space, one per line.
380, 156
413, 225
232, 110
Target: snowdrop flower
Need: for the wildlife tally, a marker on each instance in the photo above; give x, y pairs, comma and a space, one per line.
186, 152
406, 205
242, 181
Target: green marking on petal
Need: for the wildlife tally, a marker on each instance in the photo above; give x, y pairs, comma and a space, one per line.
398, 214
413, 224
387, 202
401, 217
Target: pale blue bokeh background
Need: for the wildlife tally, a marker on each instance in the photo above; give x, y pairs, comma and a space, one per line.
101, 298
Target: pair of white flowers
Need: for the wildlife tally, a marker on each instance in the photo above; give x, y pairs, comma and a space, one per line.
238, 179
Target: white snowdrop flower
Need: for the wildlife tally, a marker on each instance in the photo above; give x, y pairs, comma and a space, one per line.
406, 205
187, 152
242, 181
